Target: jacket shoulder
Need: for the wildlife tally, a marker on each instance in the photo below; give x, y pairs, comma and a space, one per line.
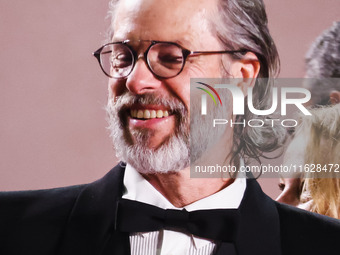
31, 217
303, 232
16, 203
40, 221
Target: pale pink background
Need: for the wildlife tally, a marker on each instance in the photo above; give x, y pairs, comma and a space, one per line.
52, 127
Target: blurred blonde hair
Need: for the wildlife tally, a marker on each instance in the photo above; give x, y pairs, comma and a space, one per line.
323, 148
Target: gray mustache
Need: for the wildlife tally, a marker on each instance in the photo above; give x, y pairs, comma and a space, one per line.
125, 101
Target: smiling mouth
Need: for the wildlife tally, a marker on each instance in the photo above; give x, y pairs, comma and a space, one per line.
146, 114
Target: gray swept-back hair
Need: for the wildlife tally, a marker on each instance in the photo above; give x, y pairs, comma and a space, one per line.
243, 25
323, 61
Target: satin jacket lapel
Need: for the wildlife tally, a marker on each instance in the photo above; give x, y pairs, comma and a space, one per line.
259, 231
90, 229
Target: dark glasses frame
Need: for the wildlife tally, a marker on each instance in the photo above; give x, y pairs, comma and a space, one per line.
185, 52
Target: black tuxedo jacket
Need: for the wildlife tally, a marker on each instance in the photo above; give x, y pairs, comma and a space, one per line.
81, 220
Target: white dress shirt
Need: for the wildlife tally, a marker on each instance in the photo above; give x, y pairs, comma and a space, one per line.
167, 242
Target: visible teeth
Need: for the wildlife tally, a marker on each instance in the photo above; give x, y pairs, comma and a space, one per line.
148, 114
140, 114
132, 113
159, 114
153, 114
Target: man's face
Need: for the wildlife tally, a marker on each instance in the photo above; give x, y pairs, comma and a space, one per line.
141, 94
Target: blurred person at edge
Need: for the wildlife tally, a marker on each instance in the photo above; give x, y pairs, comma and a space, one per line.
323, 81
317, 142
149, 204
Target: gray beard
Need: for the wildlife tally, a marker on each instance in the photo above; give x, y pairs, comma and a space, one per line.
176, 152
171, 156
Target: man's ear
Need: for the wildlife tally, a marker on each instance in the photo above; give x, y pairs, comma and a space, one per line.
247, 68
250, 67
334, 97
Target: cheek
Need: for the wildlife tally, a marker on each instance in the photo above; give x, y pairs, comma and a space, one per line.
116, 87
179, 87
183, 91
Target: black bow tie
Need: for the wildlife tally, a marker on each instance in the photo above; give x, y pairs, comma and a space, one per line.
216, 224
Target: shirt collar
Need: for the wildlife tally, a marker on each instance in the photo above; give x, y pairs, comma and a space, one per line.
139, 189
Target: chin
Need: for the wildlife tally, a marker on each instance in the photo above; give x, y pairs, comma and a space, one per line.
136, 139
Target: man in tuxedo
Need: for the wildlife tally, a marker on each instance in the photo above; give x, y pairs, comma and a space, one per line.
149, 204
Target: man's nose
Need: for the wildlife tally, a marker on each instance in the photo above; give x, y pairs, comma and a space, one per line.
141, 80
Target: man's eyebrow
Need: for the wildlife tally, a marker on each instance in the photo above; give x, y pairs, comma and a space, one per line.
186, 43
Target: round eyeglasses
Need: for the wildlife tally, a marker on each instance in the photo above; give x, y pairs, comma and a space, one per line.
164, 59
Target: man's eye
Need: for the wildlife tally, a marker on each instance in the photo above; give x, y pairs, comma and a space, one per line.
171, 59
121, 60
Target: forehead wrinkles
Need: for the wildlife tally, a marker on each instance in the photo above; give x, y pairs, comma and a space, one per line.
148, 18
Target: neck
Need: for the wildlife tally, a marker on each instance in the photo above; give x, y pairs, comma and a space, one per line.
181, 190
